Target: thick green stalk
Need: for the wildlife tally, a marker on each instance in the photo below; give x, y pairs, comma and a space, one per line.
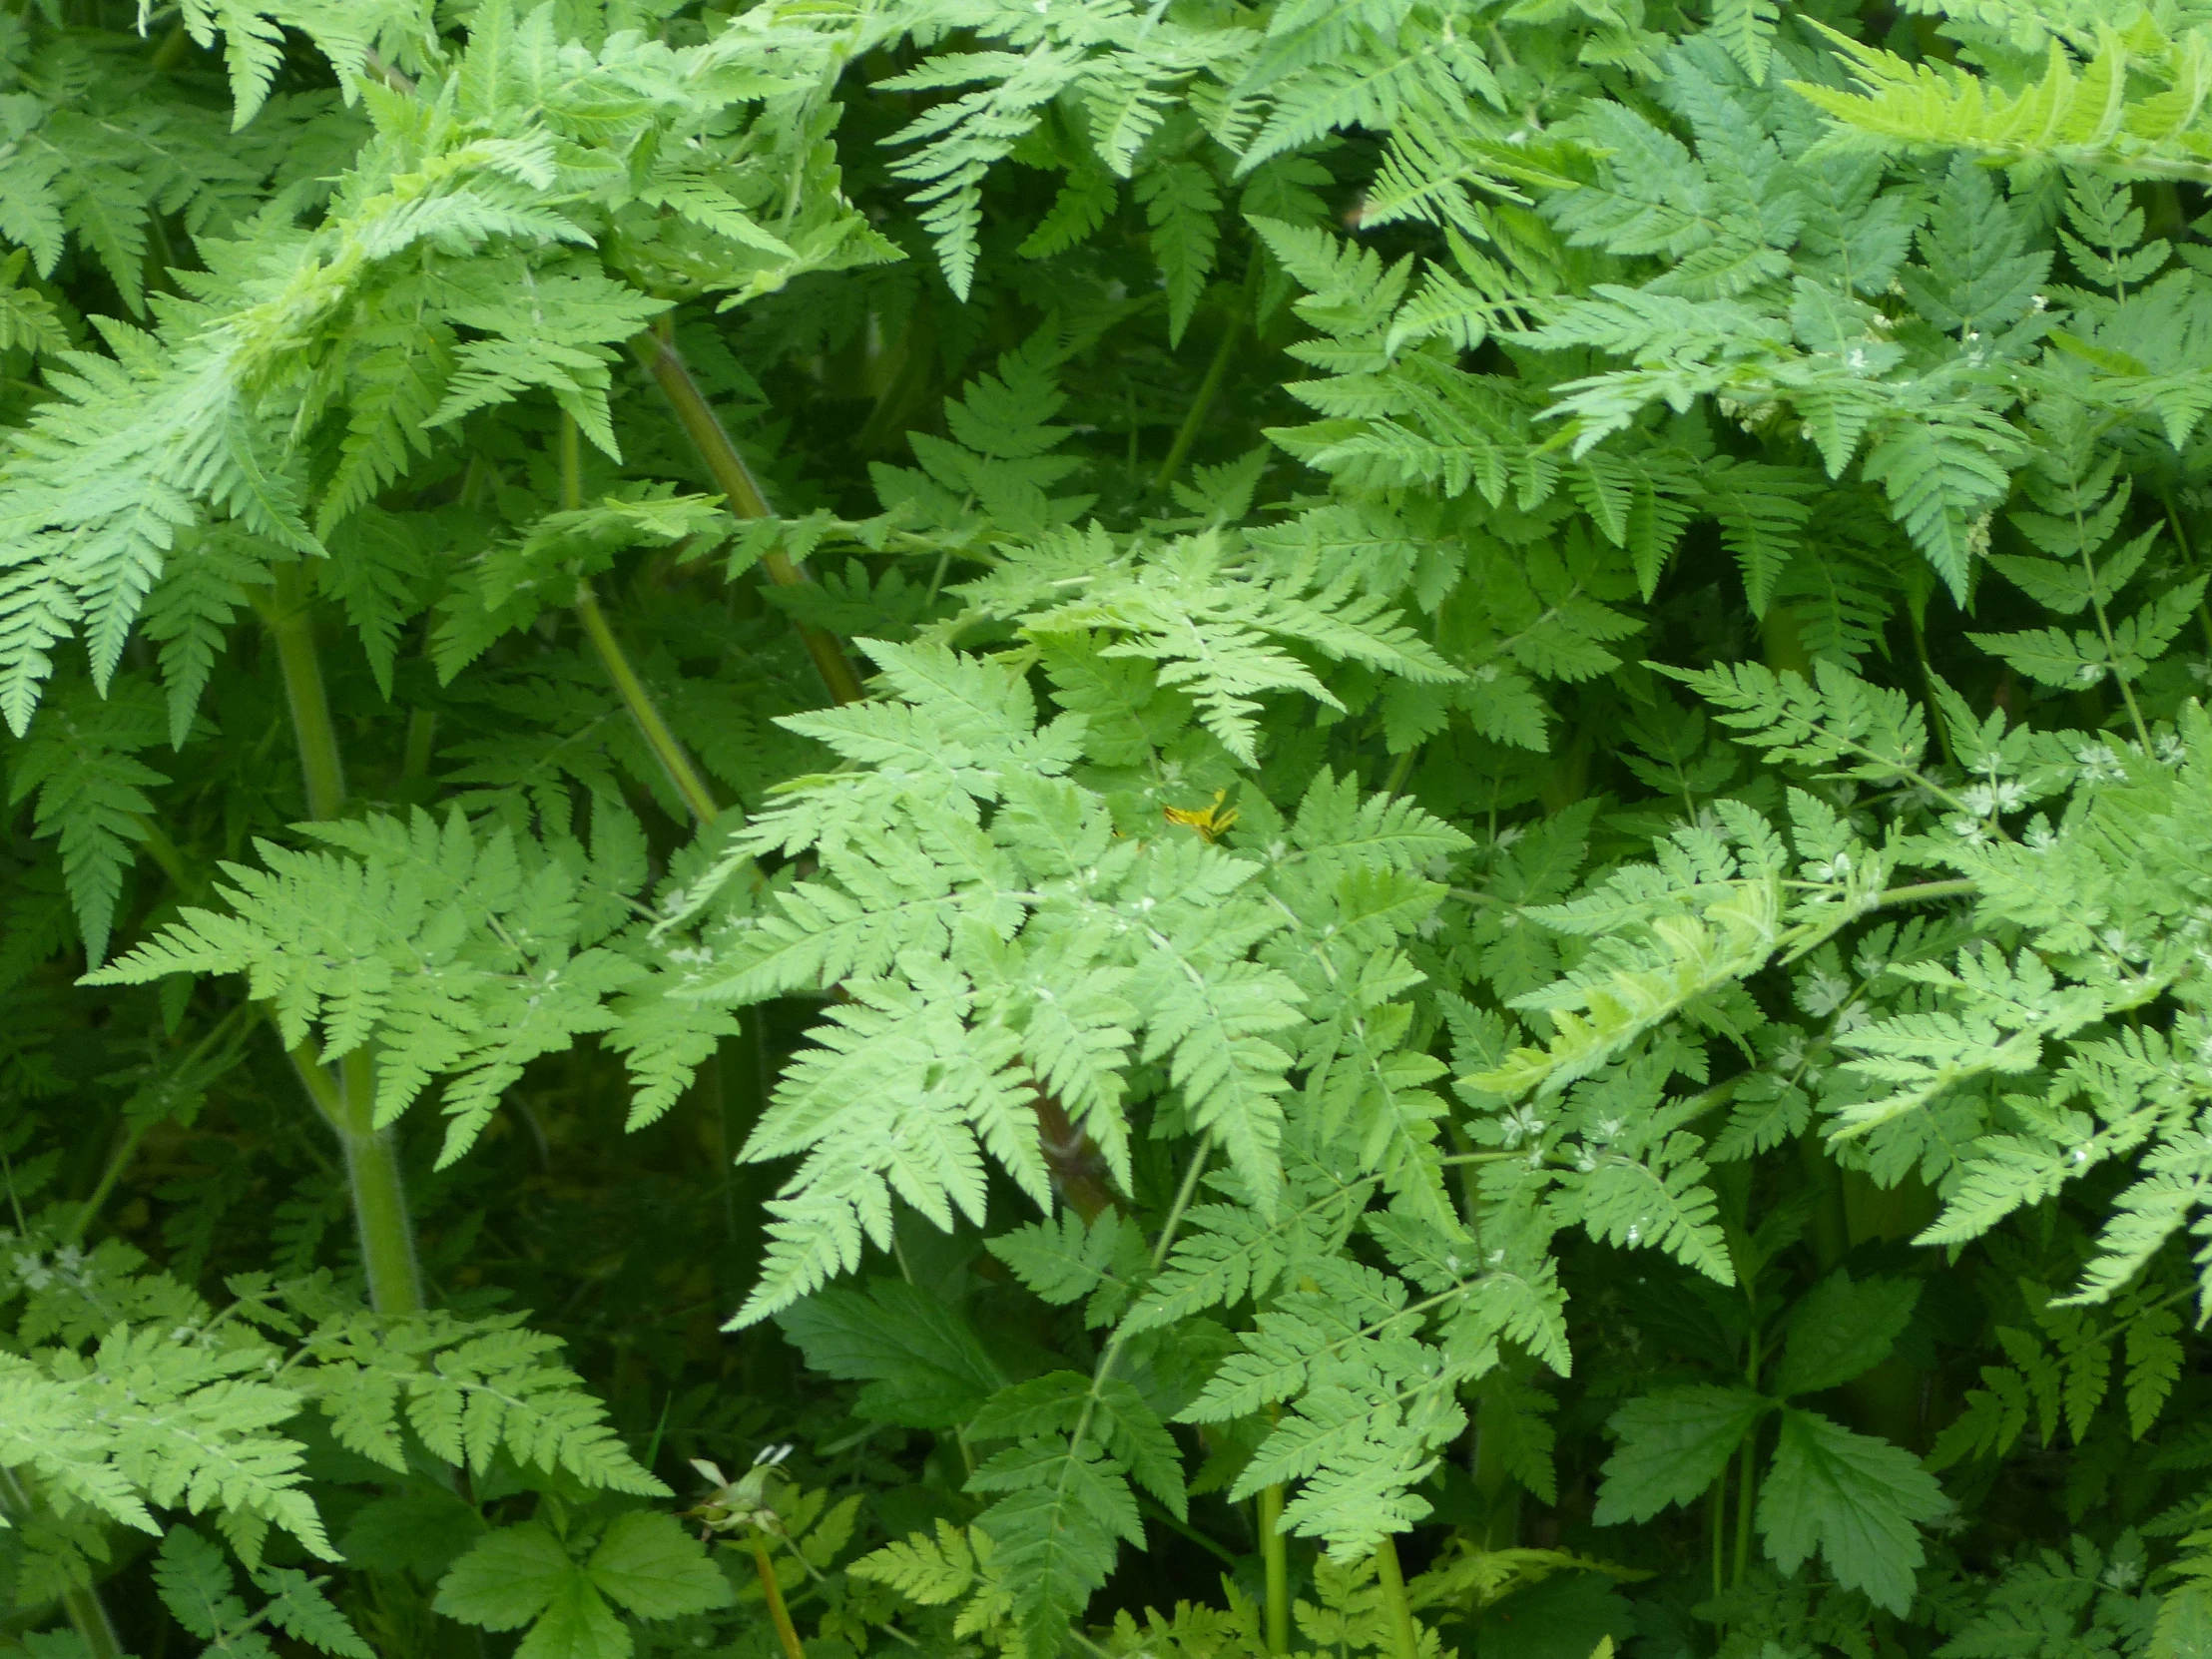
292, 628
1404, 1638
349, 1105
1500, 1492
349, 1101
635, 697
1935, 720
1275, 1558
777, 1613
735, 479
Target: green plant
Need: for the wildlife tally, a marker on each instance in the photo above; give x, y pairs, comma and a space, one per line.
1244, 828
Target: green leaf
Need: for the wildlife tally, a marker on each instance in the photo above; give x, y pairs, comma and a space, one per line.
1840, 1330
923, 1364
299, 1607
419, 1532
1853, 1498
649, 1565
507, 1579
1673, 1445
577, 1625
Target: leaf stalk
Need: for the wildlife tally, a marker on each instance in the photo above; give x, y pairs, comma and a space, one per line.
735, 479
1404, 1637
777, 1613
349, 1101
1275, 1559
682, 776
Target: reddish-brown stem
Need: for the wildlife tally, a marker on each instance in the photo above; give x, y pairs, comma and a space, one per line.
1078, 1171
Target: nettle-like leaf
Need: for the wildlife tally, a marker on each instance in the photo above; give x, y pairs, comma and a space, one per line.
1852, 1498
646, 1564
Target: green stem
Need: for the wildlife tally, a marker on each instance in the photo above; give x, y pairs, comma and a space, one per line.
88, 1614
116, 1164
379, 1195
163, 852
1152, 1509
1716, 1520
777, 1613
639, 701
1747, 1478
414, 758
1935, 720
170, 52
1922, 892
735, 479
1501, 1493
1275, 1558
1746, 1487
291, 626
348, 1102
1202, 404
696, 798
1111, 1355
1404, 1639
1401, 770
2105, 632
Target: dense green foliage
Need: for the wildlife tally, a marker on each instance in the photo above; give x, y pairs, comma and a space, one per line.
1035, 827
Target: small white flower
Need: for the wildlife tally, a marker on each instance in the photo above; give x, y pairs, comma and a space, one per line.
1522, 1124
2099, 764
1823, 993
